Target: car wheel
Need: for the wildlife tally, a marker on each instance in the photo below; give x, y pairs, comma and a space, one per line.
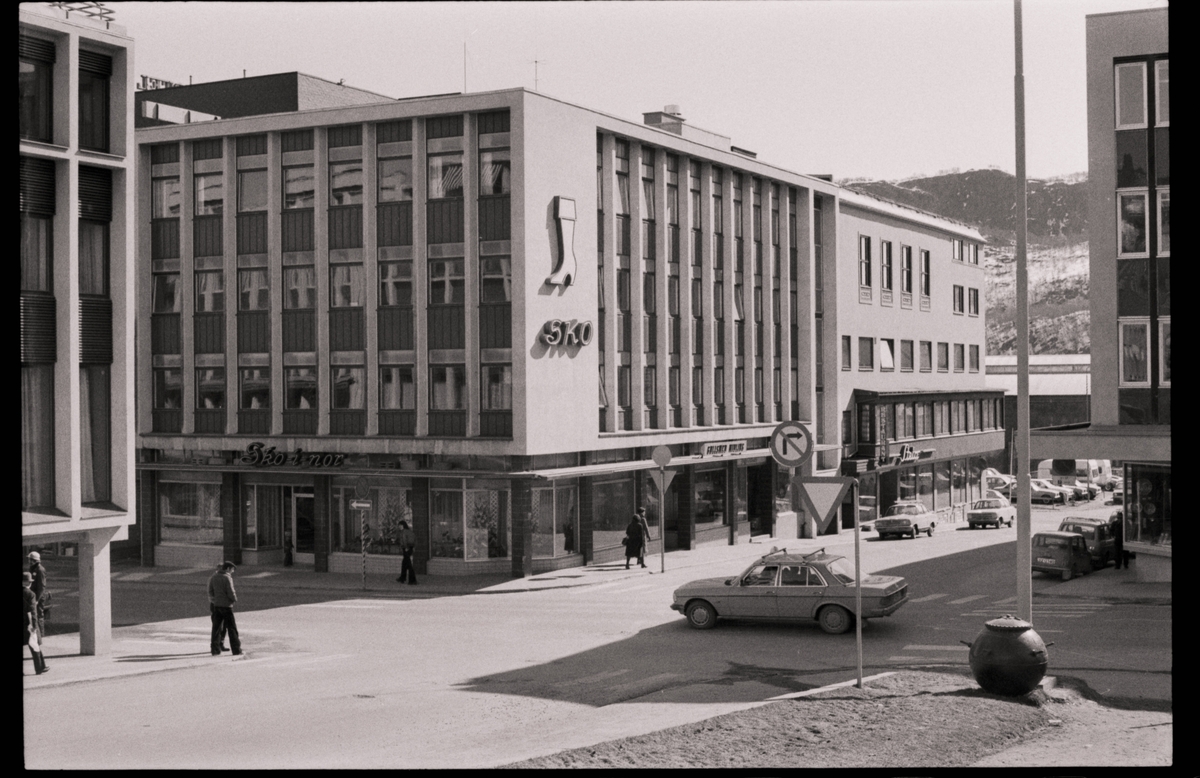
835, 619
701, 615
929, 531
1068, 574
970, 526
915, 532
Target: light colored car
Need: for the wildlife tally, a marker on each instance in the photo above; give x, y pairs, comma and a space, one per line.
992, 494
783, 586
906, 518
991, 513
1044, 491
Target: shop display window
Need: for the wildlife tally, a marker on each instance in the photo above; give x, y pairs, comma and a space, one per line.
469, 523
1147, 511
555, 520
190, 513
389, 506
613, 505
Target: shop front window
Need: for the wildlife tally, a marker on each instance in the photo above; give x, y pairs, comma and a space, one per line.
262, 516
613, 505
190, 513
1148, 504
555, 520
380, 526
868, 502
925, 485
941, 484
709, 499
470, 524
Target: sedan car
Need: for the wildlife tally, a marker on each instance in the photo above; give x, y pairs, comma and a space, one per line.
1041, 491
1064, 553
906, 518
789, 586
1098, 535
991, 513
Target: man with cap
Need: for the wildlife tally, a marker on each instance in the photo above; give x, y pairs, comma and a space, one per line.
31, 638
641, 517
222, 596
38, 573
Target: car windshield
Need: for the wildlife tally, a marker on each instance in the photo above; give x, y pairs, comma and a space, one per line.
982, 504
843, 570
903, 510
1087, 532
1050, 541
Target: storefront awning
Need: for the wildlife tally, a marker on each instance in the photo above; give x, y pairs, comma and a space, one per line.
609, 468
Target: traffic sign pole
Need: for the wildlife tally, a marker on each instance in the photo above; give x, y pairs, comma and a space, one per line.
857, 585
362, 535
662, 521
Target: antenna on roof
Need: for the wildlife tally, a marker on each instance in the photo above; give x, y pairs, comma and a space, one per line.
536, 62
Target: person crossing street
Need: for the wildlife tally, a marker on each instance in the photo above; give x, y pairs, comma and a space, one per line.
222, 596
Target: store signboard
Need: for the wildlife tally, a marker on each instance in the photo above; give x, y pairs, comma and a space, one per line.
728, 448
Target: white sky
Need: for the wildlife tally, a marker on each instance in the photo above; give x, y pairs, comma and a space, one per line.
874, 88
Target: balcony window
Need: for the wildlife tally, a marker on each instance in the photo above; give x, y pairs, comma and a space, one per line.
166, 199
496, 387
254, 294
448, 388
210, 292
446, 282
300, 288
252, 191
300, 388
210, 388
345, 183
495, 173
210, 194
397, 391
395, 180
395, 283
165, 293
348, 388
299, 187
345, 286
445, 176
255, 390
495, 280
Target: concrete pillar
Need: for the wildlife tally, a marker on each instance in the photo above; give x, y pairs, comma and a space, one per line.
95, 593
522, 529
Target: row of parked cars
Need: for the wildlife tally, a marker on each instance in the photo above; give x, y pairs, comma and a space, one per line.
1079, 546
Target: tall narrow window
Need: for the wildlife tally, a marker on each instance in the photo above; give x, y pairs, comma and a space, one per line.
496, 386
36, 88
397, 390
95, 429
926, 272
95, 70
906, 269
973, 302
885, 265
958, 299
864, 260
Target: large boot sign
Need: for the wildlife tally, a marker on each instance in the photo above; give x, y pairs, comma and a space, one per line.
564, 219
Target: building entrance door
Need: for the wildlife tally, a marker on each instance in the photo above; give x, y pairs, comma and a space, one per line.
760, 501
302, 528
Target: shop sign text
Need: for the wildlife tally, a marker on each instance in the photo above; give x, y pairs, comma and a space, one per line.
259, 456
558, 332
722, 449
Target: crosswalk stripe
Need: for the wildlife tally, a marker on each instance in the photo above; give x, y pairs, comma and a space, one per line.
936, 648
135, 576
259, 575
961, 600
186, 571
928, 597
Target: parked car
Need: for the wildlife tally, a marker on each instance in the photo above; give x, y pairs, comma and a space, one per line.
1118, 495
1098, 533
1063, 492
906, 518
1040, 494
1064, 553
1000, 482
789, 586
992, 494
991, 513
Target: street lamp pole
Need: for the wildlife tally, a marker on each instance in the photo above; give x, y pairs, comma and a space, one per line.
1024, 520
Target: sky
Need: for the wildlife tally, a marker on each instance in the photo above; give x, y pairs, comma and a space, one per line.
880, 89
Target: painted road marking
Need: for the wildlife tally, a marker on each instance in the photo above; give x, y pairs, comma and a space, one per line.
592, 678
808, 692
135, 576
961, 600
188, 571
259, 575
928, 597
936, 648
340, 605
1005, 601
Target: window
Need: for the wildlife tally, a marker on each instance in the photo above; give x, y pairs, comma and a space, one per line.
974, 359
956, 249
395, 180
866, 353
94, 73
36, 89
95, 409
446, 282
1132, 224
495, 280
1164, 222
1135, 350
496, 387
906, 355
300, 388
397, 391
299, 187
887, 350
168, 388
345, 183
447, 388
926, 356
165, 293
958, 299
906, 269
165, 198
926, 272
300, 288
943, 357
252, 191
210, 194
445, 176
253, 292
959, 358
1130, 95
973, 253
845, 352
348, 388
346, 286
1164, 351
395, 283
210, 387
37, 257
93, 257
190, 513
973, 302
255, 392
495, 174
864, 260
885, 265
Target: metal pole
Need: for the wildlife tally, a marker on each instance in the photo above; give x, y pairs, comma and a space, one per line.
857, 586
362, 536
662, 521
1021, 449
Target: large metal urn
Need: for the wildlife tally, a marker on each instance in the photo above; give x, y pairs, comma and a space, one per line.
1008, 657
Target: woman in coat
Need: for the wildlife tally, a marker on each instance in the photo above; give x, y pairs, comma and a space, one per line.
633, 540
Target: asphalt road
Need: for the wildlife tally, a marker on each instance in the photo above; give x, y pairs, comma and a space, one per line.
484, 680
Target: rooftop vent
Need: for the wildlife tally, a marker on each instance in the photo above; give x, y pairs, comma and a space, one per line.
669, 119
744, 152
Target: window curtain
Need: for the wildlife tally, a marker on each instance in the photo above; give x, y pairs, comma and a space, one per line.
94, 433
210, 292
253, 288
347, 286
93, 258
301, 286
37, 436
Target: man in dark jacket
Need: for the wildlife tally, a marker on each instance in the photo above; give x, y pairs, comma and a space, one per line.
641, 516
31, 638
40, 594
408, 542
222, 596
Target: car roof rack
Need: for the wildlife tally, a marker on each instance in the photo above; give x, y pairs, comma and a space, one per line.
815, 553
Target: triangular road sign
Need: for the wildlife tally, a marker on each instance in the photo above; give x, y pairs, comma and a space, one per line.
662, 478
822, 496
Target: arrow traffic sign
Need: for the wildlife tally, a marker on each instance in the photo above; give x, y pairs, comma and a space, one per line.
822, 496
791, 444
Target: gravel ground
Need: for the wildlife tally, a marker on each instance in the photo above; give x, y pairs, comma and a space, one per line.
909, 719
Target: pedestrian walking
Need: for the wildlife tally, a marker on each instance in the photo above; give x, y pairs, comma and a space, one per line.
31, 633
633, 540
1118, 532
408, 542
40, 593
641, 516
222, 595
212, 611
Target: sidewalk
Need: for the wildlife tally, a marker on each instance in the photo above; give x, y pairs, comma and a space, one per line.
135, 651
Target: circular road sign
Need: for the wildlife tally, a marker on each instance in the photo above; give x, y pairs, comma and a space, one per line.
791, 444
661, 456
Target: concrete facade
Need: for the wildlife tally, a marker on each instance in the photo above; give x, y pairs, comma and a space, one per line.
91, 483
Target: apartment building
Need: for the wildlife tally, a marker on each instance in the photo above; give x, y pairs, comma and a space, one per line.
76, 295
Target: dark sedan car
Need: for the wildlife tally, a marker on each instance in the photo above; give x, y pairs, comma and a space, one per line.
791, 587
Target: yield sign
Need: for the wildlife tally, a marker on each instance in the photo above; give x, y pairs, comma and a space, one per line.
663, 479
822, 496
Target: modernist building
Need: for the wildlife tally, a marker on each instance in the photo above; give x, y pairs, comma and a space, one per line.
1129, 217
480, 313
76, 296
